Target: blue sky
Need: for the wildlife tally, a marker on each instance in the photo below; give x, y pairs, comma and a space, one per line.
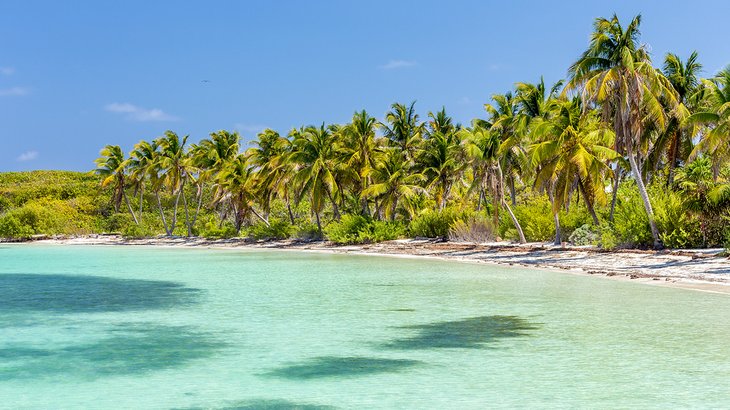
75, 76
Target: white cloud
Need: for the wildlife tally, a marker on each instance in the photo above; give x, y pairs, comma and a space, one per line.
136, 113
27, 156
14, 92
7, 70
249, 128
464, 101
396, 64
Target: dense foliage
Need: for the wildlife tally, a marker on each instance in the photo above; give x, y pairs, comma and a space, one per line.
621, 153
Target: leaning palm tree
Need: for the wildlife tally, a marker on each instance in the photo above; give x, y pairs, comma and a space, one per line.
504, 120
111, 166
313, 152
616, 72
714, 114
486, 151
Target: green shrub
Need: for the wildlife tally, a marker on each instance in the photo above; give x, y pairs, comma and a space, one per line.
277, 229
12, 228
307, 231
134, 231
584, 235
433, 224
213, 229
608, 239
536, 218
631, 225
379, 231
346, 230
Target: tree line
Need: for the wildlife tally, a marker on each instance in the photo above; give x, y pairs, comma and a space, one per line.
616, 119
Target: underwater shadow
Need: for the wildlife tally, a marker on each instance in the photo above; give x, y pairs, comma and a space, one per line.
334, 366
267, 405
131, 349
472, 333
89, 294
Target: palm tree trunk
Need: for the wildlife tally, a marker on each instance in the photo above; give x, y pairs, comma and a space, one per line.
319, 224
141, 200
173, 222
200, 203
506, 205
335, 208
512, 192
556, 218
288, 209
187, 215
673, 154
393, 208
588, 202
162, 213
645, 198
614, 194
258, 215
129, 207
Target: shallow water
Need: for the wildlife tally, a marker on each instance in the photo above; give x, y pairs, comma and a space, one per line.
137, 327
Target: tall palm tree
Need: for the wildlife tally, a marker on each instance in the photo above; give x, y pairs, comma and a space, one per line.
236, 186
441, 156
142, 164
676, 141
174, 164
571, 149
504, 120
111, 166
357, 153
393, 181
714, 114
403, 128
616, 72
484, 147
313, 152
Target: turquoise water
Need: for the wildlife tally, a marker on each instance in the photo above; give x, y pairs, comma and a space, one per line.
137, 327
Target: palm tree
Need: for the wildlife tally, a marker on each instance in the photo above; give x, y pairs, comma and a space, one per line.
485, 149
142, 163
111, 166
571, 149
403, 128
313, 152
504, 120
357, 153
236, 186
714, 114
441, 157
616, 72
393, 181
174, 164
676, 140
208, 158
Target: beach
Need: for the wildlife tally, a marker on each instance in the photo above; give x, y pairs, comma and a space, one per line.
698, 269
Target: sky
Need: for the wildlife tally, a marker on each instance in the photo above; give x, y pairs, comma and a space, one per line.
77, 75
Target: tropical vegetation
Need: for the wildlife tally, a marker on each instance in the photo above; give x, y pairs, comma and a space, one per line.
624, 152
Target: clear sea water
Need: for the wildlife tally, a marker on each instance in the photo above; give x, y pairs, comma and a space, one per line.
139, 327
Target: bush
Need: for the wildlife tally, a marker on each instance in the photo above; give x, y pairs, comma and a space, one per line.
475, 228
213, 229
307, 231
631, 225
277, 229
585, 235
134, 231
12, 228
434, 224
379, 231
536, 218
608, 239
346, 231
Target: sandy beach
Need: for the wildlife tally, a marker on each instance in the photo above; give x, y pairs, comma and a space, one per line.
700, 269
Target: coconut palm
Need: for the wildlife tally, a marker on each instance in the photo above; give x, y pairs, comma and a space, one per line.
403, 128
571, 149
505, 121
313, 152
235, 186
441, 157
484, 147
175, 166
616, 72
393, 182
112, 168
142, 166
676, 141
357, 153
714, 114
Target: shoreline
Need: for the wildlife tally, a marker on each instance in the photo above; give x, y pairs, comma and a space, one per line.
701, 270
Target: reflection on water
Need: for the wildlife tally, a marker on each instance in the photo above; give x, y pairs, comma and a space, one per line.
332, 366
268, 405
88, 294
472, 333
131, 349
